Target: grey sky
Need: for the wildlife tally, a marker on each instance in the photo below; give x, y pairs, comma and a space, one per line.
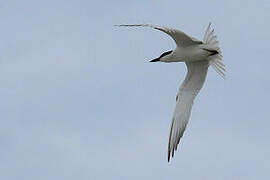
79, 99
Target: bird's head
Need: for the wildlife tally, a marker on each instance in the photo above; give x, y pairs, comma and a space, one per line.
163, 57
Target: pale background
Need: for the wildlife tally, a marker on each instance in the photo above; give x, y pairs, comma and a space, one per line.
79, 99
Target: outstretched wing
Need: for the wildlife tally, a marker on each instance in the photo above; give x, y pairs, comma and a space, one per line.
191, 86
181, 39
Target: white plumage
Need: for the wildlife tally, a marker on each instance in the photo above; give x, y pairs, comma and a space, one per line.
197, 55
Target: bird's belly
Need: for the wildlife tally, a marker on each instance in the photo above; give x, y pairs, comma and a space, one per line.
195, 54
192, 54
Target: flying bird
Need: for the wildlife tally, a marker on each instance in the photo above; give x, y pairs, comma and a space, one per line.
198, 56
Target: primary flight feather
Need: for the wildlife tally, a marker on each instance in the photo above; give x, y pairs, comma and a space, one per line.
197, 55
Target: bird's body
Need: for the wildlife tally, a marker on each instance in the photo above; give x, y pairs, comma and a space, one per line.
189, 54
197, 55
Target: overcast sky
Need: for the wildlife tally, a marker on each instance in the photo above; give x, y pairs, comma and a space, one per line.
79, 99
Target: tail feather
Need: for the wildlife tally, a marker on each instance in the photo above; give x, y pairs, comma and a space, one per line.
219, 69
206, 33
210, 39
220, 63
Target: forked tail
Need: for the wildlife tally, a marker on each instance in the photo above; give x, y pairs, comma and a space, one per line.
210, 39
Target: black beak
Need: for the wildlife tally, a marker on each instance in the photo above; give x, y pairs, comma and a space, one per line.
155, 60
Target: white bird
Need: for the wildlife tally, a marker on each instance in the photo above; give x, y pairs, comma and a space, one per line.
197, 55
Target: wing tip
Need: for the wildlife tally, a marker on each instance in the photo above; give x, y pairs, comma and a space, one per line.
169, 155
122, 25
